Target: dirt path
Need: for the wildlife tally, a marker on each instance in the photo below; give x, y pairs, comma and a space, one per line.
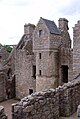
7, 106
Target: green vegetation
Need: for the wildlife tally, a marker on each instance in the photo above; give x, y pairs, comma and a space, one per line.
0, 46
7, 47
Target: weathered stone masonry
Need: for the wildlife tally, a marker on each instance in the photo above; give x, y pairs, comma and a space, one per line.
24, 68
54, 46
49, 104
24, 64
41, 60
47, 49
76, 49
2, 86
2, 113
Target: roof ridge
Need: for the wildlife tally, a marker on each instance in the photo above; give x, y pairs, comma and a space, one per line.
46, 19
51, 26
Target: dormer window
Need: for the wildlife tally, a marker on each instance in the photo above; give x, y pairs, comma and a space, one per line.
40, 33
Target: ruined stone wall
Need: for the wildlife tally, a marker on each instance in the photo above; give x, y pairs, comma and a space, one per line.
65, 51
70, 70
24, 73
66, 59
76, 49
40, 105
49, 104
11, 61
69, 98
2, 86
4, 54
2, 113
1, 65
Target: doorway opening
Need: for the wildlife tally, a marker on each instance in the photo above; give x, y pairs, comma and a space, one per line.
65, 73
30, 91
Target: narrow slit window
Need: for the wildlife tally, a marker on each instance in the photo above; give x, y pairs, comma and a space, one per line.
40, 73
39, 55
34, 71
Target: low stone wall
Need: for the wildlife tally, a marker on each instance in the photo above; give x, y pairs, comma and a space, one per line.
49, 104
40, 105
2, 113
69, 98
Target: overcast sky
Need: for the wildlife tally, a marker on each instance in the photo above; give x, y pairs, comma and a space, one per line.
15, 13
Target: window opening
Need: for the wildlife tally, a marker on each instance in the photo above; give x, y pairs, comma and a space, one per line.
34, 71
40, 33
39, 55
40, 72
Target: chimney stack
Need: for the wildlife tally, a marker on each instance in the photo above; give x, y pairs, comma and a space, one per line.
63, 24
29, 28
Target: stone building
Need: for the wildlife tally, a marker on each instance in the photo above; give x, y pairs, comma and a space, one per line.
43, 59
52, 47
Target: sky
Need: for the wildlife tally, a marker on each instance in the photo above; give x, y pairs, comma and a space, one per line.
15, 13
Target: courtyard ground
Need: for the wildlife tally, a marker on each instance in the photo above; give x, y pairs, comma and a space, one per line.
7, 105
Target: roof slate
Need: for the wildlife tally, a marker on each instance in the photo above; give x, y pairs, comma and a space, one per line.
51, 26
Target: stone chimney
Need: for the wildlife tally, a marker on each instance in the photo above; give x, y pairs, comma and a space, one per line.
63, 24
29, 28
